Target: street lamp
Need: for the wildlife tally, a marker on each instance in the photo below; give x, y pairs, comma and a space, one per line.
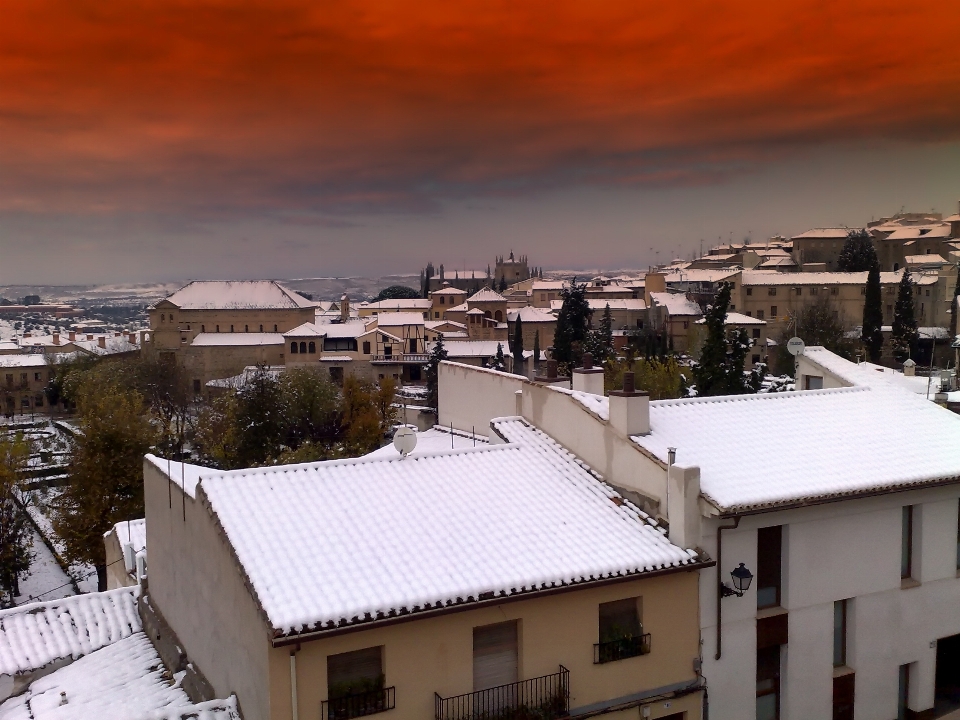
741, 578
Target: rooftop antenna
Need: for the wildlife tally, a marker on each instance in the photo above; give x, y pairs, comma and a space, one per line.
404, 440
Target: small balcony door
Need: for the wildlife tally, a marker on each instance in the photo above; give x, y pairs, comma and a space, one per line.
495, 657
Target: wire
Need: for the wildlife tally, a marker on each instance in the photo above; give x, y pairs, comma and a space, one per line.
72, 582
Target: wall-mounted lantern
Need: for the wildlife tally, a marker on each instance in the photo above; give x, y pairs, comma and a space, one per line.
741, 578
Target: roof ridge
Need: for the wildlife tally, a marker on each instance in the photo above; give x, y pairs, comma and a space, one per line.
757, 396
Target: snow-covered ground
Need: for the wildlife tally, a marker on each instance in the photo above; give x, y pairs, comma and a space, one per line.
47, 580
85, 576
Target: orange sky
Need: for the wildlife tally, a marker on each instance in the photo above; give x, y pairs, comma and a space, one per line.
339, 108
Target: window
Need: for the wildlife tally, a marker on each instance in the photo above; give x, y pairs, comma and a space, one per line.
246, 328
495, 656
36, 376
355, 684
366, 347
749, 291
813, 291
928, 292
436, 316
812, 382
261, 328
388, 351
755, 359
749, 313
621, 631
863, 290
840, 633
756, 333
769, 547
275, 328
768, 683
798, 291
772, 291
413, 345
773, 311
218, 328
38, 400
312, 347
834, 291
303, 347
686, 324
441, 300
163, 317
732, 307
906, 542
196, 387
231, 328
203, 328
333, 344
760, 314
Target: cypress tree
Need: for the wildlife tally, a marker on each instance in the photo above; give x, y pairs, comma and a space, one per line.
498, 362
905, 332
536, 349
571, 328
432, 372
858, 253
606, 331
720, 370
517, 348
871, 334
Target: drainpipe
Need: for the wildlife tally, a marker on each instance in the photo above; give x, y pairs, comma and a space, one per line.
720, 529
294, 712
671, 459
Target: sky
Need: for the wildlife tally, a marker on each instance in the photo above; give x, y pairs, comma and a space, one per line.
154, 141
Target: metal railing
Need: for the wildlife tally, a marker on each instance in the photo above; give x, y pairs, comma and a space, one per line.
621, 649
541, 698
402, 358
359, 704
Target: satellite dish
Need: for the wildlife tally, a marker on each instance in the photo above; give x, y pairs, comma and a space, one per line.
405, 440
795, 346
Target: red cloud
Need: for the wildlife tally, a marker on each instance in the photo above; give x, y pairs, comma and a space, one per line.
222, 107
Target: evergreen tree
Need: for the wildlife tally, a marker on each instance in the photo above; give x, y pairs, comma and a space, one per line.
503, 284
905, 334
606, 331
499, 361
571, 329
260, 419
720, 369
432, 373
396, 292
858, 253
536, 349
16, 537
105, 484
871, 334
517, 348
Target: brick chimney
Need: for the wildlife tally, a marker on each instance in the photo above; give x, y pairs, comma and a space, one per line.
630, 409
89, 336
132, 338
72, 336
102, 342
551, 376
588, 379
56, 338
344, 308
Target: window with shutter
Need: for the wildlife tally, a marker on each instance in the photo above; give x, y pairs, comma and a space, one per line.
495, 658
355, 672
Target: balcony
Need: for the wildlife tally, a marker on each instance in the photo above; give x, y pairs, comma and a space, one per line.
359, 704
541, 698
621, 649
402, 358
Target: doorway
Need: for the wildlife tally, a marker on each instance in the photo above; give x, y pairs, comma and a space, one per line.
947, 683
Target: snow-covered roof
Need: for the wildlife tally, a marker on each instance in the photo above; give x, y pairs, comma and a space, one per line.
598, 305
132, 533
473, 348
449, 291
25, 360
698, 275
675, 303
374, 537
530, 314
868, 374
113, 345
830, 233
183, 475
735, 318
439, 324
236, 339
842, 442
336, 358
547, 285
309, 329
462, 307
400, 305
396, 319
775, 262
346, 330
931, 259
237, 295
436, 439
123, 681
913, 232
236, 382
33, 635
486, 295
760, 277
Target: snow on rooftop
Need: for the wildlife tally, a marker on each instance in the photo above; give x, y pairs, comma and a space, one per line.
124, 681
598, 305
33, 635
676, 303
337, 542
764, 277
29, 360
132, 533
236, 339
486, 295
400, 305
397, 319
770, 449
235, 382
835, 233
698, 275
530, 314
869, 374
462, 307
473, 348
449, 291
237, 295
433, 440
184, 475
735, 318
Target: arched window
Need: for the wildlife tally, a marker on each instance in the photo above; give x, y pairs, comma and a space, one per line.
203, 328
218, 328
231, 328
275, 328
313, 347
293, 348
246, 328
163, 317
487, 314
261, 328
303, 348
498, 316
896, 266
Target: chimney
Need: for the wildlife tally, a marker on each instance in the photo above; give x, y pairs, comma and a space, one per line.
683, 511
588, 379
132, 338
629, 409
89, 336
344, 309
909, 368
56, 338
653, 282
102, 342
72, 336
551, 376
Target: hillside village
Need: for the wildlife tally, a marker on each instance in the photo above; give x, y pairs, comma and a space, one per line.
503, 494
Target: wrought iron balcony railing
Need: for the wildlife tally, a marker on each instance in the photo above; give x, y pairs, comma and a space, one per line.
541, 698
621, 649
399, 358
359, 704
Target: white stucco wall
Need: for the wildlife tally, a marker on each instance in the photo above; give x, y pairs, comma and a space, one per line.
205, 600
832, 552
471, 397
